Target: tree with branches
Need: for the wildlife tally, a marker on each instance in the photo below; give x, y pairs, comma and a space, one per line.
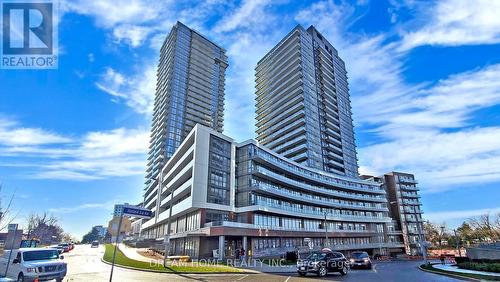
486, 227
45, 227
6, 215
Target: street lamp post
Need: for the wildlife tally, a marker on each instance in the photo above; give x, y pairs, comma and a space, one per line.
169, 223
327, 244
441, 239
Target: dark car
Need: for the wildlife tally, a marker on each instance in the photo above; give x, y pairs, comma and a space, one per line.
360, 259
66, 247
323, 262
94, 244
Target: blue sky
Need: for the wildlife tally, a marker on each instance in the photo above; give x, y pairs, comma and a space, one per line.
424, 79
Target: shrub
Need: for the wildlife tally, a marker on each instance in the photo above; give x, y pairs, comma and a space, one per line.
461, 259
489, 267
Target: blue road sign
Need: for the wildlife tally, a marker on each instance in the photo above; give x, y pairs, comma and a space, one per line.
137, 212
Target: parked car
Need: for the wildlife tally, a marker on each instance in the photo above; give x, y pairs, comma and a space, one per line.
34, 264
360, 259
65, 246
59, 248
323, 262
94, 244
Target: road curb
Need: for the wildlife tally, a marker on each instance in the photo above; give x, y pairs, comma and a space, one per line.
176, 272
452, 275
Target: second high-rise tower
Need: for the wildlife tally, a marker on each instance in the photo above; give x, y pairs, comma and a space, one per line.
302, 103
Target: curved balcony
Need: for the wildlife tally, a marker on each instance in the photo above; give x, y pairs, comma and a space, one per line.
265, 173
301, 197
292, 211
316, 177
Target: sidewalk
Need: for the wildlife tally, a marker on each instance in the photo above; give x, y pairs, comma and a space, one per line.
131, 253
251, 265
449, 267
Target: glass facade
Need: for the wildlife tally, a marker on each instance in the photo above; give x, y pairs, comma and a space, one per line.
302, 105
219, 171
189, 91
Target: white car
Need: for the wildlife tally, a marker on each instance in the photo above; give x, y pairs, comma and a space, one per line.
30, 264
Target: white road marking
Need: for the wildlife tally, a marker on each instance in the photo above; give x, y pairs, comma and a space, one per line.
287, 279
243, 277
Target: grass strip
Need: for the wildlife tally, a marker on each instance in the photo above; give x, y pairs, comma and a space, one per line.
185, 267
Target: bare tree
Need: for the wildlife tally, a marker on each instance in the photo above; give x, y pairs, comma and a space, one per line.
6, 216
496, 224
486, 227
432, 233
45, 227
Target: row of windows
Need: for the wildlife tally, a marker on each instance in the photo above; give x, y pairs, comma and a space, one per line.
296, 223
268, 185
265, 243
300, 208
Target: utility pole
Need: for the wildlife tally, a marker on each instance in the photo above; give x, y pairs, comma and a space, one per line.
12, 227
458, 242
116, 245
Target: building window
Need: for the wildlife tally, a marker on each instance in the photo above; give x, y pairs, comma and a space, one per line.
219, 171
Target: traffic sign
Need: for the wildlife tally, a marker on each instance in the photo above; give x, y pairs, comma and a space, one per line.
137, 212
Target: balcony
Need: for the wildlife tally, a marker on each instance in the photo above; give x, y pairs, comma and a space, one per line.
408, 187
318, 214
263, 172
407, 180
308, 199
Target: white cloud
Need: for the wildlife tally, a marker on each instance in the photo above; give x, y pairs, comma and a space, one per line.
449, 103
13, 135
138, 91
439, 160
111, 13
250, 14
96, 155
131, 34
418, 140
457, 22
445, 216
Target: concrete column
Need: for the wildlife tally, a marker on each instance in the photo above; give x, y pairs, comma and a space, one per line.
221, 247
245, 246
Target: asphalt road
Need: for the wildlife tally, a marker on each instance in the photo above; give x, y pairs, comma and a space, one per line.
84, 264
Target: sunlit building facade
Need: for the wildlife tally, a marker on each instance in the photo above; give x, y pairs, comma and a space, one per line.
226, 195
303, 109
189, 91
